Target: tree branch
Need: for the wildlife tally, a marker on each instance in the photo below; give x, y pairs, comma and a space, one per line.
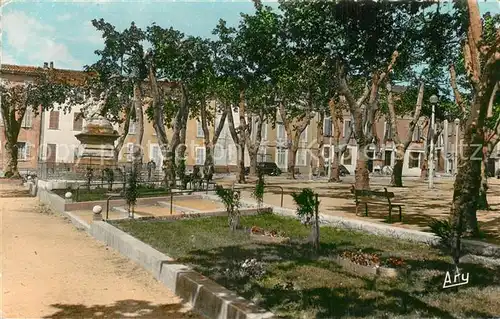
453, 81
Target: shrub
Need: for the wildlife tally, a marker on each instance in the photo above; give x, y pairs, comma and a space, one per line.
307, 208
258, 192
231, 200
132, 191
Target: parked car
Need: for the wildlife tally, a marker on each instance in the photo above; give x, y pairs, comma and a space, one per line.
268, 168
343, 170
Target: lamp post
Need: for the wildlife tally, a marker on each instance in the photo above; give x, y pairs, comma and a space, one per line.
433, 99
330, 153
455, 166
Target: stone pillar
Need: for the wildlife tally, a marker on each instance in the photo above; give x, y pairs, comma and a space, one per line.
97, 210
68, 197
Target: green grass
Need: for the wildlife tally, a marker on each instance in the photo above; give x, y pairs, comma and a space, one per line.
318, 288
84, 195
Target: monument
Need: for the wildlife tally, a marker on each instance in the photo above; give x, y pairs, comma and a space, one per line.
98, 136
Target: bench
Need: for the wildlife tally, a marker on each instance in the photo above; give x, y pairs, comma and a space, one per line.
362, 196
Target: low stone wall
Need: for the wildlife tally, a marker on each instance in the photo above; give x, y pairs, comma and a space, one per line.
206, 296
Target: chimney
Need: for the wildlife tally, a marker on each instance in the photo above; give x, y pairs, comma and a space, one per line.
51, 64
45, 65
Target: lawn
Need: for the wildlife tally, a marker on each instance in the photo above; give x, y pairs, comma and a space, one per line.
95, 194
295, 283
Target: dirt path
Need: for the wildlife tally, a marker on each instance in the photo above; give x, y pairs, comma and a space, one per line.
51, 270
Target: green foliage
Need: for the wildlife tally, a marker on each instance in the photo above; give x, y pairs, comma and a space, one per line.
228, 197
306, 203
180, 171
442, 229
131, 191
231, 200
258, 192
110, 177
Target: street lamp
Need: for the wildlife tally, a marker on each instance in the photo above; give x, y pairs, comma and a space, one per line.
434, 100
330, 153
457, 123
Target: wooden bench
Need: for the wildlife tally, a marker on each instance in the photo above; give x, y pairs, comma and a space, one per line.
366, 197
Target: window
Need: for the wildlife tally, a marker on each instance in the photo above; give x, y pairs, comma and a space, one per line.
326, 153
414, 160
303, 135
130, 152
347, 157
54, 120
417, 133
347, 128
155, 154
387, 131
264, 131
200, 155
388, 158
23, 151
327, 127
27, 119
51, 153
199, 129
281, 133
281, 157
132, 127
262, 154
301, 157
77, 121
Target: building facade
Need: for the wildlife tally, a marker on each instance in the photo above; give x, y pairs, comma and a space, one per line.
50, 137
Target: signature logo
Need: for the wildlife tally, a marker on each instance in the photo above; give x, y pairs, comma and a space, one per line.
458, 279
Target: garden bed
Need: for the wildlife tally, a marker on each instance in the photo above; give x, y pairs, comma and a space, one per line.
281, 274
96, 194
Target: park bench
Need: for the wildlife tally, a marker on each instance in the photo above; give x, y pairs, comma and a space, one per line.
365, 197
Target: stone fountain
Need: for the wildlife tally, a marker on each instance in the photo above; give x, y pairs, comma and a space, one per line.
97, 137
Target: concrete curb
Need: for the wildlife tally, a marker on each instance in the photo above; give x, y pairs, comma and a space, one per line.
207, 297
469, 246
77, 221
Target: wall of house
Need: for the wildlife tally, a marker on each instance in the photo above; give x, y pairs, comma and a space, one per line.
63, 136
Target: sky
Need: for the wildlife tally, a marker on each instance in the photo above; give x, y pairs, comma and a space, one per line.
61, 31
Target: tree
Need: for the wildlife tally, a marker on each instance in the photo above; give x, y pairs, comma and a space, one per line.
337, 116
37, 96
184, 62
402, 145
361, 42
481, 56
243, 60
307, 208
121, 72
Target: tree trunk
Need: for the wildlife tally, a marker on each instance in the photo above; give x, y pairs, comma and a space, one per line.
397, 172
482, 201
361, 173
11, 170
123, 136
241, 163
292, 153
334, 166
253, 161
320, 143
139, 120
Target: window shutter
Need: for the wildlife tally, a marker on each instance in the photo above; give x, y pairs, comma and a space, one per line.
54, 120
77, 121
27, 150
130, 151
